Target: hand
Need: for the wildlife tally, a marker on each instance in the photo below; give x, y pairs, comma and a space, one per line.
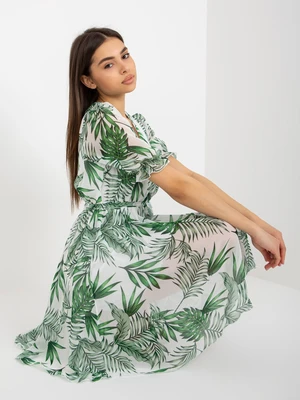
268, 245
276, 233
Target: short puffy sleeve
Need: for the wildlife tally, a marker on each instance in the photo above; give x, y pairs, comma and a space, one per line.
109, 140
157, 143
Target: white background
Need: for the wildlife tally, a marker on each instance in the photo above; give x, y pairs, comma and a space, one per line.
217, 80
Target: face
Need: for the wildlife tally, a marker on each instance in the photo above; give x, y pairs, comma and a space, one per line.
108, 75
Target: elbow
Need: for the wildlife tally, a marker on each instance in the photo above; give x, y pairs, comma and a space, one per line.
182, 187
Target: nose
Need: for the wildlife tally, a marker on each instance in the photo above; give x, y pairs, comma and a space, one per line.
124, 67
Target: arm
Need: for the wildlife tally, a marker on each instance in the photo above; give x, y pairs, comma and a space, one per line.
243, 210
229, 200
214, 188
193, 194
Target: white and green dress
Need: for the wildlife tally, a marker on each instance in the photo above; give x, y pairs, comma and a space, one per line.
135, 292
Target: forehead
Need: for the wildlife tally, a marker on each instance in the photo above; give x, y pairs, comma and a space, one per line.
110, 48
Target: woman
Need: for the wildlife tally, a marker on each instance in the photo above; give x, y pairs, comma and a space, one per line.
135, 292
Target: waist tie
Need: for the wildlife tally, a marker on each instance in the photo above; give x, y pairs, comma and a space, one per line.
117, 204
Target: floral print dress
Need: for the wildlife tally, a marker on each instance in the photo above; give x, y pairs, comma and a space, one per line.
135, 292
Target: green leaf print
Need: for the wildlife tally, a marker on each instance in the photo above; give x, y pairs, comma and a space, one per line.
27, 339
135, 292
103, 290
91, 168
91, 324
183, 355
58, 281
215, 303
143, 346
82, 304
134, 304
98, 357
238, 301
25, 357
192, 274
193, 224
150, 274
98, 121
116, 234
190, 225
238, 276
105, 330
114, 145
246, 250
51, 325
52, 352
54, 372
158, 321
214, 265
193, 325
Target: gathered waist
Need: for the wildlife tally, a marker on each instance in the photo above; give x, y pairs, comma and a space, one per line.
117, 204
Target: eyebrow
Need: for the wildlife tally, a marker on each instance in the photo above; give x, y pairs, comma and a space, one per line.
111, 58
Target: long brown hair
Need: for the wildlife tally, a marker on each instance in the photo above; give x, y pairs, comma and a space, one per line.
80, 96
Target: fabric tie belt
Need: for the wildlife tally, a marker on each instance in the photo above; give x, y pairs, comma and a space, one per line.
117, 204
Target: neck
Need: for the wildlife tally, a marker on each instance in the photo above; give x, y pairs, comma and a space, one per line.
119, 103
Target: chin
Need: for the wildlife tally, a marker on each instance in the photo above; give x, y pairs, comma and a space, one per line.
129, 90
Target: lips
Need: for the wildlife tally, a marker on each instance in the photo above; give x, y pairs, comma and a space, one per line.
128, 77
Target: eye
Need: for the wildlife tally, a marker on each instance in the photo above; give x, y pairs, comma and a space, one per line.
127, 54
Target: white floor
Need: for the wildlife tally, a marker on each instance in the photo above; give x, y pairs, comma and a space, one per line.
257, 358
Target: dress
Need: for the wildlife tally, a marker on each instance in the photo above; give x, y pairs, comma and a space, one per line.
135, 292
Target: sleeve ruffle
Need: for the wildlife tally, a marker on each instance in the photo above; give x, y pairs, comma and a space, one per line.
157, 143
110, 142
154, 163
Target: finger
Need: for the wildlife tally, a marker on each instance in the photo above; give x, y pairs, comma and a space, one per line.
277, 256
282, 251
270, 256
266, 255
270, 263
276, 261
268, 266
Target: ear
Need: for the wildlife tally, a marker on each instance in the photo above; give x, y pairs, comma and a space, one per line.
87, 81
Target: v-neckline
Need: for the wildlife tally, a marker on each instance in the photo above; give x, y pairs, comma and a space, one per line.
140, 131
